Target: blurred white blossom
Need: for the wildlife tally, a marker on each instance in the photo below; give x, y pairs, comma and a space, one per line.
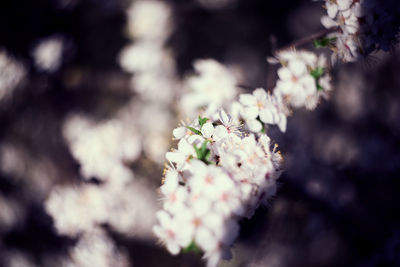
11, 74
95, 248
209, 87
47, 54
101, 148
149, 20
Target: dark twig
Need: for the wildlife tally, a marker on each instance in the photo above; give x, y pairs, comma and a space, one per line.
303, 41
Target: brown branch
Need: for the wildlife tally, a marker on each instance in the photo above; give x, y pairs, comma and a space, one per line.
308, 39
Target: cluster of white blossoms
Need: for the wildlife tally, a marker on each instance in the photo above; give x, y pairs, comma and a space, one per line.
47, 54
11, 74
97, 146
363, 26
154, 76
95, 248
303, 79
211, 86
149, 25
219, 173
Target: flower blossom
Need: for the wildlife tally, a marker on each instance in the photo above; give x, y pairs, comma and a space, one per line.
363, 27
219, 173
303, 79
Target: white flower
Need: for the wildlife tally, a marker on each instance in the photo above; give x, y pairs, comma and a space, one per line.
182, 155
47, 54
209, 188
170, 233
175, 194
301, 79
261, 105
295, 83
213, 86
149, 20
12, 73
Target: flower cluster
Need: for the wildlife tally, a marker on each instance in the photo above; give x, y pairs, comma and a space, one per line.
303, 79
12, 73
219, 173
363, 26
210, 87
47, 54
151, 63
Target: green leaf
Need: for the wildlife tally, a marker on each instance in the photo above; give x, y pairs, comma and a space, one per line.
324, 42
203, 153
192, 247
317, 72
202, 121
262, 124
194, 130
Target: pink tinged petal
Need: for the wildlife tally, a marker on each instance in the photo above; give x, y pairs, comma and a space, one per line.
247, 100
207, 130
179, 132
327, 22
284, 74
297, 67
254, 125
266, 116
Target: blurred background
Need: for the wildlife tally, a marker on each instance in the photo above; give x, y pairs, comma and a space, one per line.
90, 92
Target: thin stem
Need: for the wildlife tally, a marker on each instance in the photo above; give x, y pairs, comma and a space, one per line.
303, 41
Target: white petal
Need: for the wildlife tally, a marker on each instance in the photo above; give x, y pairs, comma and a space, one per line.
223, 117
344, 4
328, 22
173, 248
250, 113
247, 100
332, 9
175, 157
266, 116
284, 74
297, 67
254, 125
220, 132
260, 94
207, 130
282, 123
179, 132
